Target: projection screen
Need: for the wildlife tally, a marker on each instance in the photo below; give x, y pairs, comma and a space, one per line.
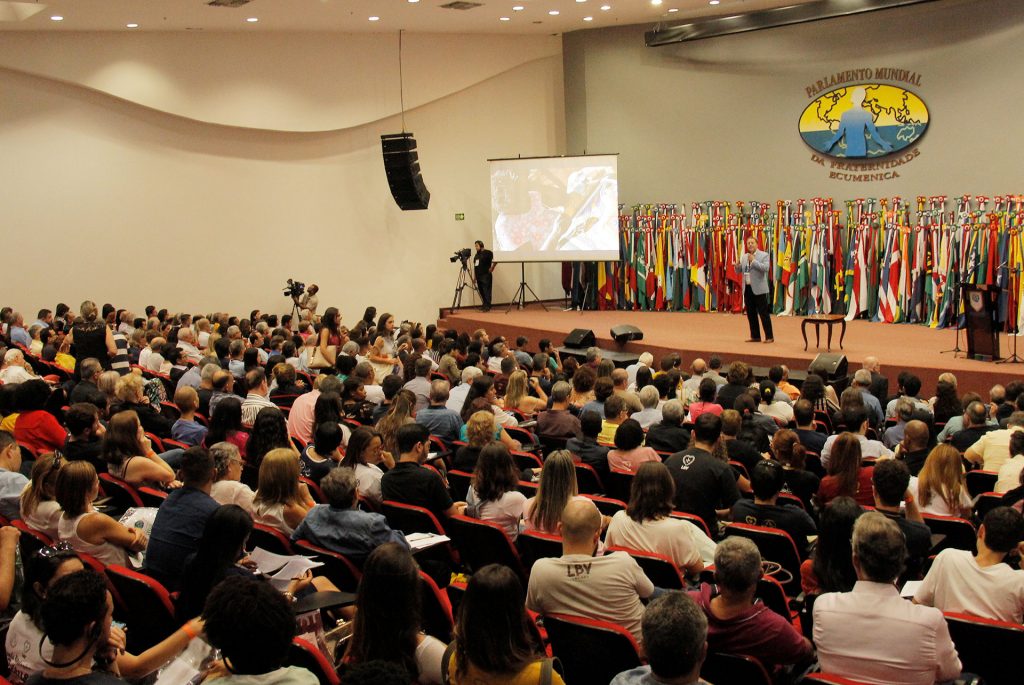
555, 209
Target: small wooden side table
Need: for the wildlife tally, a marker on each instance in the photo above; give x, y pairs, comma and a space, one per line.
829, 320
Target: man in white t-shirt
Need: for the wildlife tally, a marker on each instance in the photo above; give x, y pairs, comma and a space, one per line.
606, 588
981, 585
993, 449
457, 395
1009, 472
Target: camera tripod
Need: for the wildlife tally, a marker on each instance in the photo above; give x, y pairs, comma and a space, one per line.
465, 280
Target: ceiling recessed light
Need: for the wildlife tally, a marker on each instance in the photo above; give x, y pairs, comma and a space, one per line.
713, 2
656, 2
553, 13
605, 8
504, 19
581, 0
374, 18
414, 1
518, 8
56, 17
673, 10
588, 19
253, 20
132, 26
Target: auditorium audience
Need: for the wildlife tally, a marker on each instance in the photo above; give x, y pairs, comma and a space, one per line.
186, 429
129, 453
871, 633
856, 423
557, 488
39, 508
558, 421
1011, 470
269, 432
388, 617
227, 487
830, 566
410, 482
35, 427
966, 429
847, 477
946, 404
891, 481
364, 455
339, 526
131, 396
586, 447
492, 493
739, 625
787, 448
992, 450
767, 480
645, 524
324, 454
281, 501
85, 529
400, 414
822, 397
705, 403
12, 481
806, 430
495, 640
615, 414
669, 435
258, 395
181, 518
16, 368
630, 452
607, 588
913, 449
517, 394
675, 642
705, 485
940, 488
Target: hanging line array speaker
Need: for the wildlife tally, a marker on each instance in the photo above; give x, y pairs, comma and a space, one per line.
402, 167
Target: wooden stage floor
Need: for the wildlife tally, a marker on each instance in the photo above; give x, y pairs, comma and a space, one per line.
898, 347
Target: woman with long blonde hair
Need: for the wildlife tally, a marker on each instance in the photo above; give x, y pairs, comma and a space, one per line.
517, 394
281, 500
940, 488
557, 487
400, 413
39, 508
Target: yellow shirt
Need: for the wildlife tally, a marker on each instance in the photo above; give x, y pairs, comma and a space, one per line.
474, 676
8, 423
607, 434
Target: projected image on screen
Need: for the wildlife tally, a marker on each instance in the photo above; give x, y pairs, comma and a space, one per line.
555, 209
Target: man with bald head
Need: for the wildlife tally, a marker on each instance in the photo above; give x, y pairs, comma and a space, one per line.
975, 425
913, 449
691, 386
879, 383
620, 379
605, 588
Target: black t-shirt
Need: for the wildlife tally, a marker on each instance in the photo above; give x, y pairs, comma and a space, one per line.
90, 451
789, 518
803, 484
411, 483
703, 484
482, 262
915, 460
590, 453
743, 452
968, 436
919, 542
667, 437
465, 458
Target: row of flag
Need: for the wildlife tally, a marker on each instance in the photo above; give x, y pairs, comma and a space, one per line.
877, 260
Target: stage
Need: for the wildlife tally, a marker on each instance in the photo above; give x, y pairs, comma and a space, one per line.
897, 346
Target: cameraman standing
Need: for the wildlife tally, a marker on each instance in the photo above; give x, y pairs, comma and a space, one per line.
309, 300
483, 266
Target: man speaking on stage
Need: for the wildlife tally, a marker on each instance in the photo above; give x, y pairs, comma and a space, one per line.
754, 266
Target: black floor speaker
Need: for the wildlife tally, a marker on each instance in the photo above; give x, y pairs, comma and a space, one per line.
402, 167
835, 365
580, 337
624, 333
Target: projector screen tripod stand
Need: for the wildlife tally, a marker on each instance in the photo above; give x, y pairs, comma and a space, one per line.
520, 297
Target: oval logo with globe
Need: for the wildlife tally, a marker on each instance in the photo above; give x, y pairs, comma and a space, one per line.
864, 121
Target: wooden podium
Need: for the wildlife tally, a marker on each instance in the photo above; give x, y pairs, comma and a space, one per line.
981, 307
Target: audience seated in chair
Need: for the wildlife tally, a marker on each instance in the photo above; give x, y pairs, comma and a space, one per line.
281, 501
585, 446
85, 435
129, 454
980, 585
35, 427
227, 487
871, 634
890, 480
438, 419
388, 617
607, 588
39, 508
669, 435
675, 633
739, 625
767, 480
12, 482
409, 483
558, 421
339, 526
705, 485
363, 454
492, 494
645, 524
252, 625
180, 520
186, 429
830, 567
494, 638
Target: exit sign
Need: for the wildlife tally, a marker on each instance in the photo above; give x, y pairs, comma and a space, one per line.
460, 217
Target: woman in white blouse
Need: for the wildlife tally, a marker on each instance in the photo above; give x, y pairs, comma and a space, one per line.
39, 508
365, 455
493, 495
940, 488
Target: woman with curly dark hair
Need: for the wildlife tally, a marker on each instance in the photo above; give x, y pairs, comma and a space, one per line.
269, 431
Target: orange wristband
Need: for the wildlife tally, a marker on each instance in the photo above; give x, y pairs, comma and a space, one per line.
187, 629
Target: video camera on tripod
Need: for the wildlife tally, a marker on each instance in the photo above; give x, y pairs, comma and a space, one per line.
462, 255
294, 289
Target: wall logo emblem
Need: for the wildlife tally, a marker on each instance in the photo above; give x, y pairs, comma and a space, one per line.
864, 121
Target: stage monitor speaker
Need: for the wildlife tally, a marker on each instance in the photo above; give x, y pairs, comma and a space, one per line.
624, 333
835, 365
402, 167
580, 337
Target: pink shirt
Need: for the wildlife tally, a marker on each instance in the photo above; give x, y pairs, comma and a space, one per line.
698, 408
873, 635
628, 461
300, 417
